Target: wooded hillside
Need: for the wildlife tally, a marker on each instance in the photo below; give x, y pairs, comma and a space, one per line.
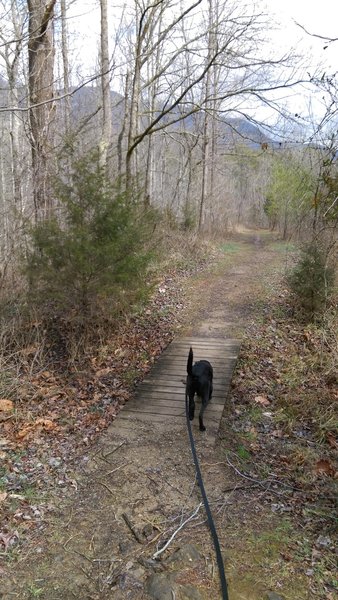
161, 137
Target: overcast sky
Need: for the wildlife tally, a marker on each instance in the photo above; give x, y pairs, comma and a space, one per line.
318, 17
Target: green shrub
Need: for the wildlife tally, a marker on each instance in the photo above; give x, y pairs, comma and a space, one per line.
94, 252
312, 280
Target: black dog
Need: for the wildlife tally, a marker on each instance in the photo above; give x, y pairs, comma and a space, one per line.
199, 381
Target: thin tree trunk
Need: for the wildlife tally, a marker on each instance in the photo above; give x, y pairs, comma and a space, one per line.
133, 114
205, 188
205, 166
105, 86
65, 63
40, 84
123, 130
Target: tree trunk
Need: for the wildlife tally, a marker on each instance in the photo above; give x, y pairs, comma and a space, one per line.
207, 130
65, 64
40, 86
123, 130
134, 114
105, 86
205, 163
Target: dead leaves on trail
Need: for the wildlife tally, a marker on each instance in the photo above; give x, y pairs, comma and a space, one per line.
56, 413
32, 429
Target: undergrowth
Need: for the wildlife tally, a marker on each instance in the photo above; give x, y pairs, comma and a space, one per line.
295, 364
285, 423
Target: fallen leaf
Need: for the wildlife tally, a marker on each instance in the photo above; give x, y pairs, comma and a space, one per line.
254, 447
262, 400
315, 555
278, 433
4, 442
46, 424
32, 428
3, 496
323, 541
9, 539
29, 350
102, 372
120, 352
286, 556
332, 440
6, 405
47, 375
325, 467
24, 432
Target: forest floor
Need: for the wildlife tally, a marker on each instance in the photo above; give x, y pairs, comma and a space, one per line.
85, 504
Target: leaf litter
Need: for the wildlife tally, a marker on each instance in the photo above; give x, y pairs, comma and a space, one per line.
288, 367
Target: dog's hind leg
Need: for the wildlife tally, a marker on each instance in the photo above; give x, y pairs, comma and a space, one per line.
200, 418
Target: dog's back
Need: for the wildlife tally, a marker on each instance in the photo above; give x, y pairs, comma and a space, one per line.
199, 381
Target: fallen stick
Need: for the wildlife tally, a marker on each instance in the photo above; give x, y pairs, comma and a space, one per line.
176, 532
132, 528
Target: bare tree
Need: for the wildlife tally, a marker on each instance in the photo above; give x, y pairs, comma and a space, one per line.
65, 65
41, 89
11, 53
185, 67
105, 85
228, 65
206, 138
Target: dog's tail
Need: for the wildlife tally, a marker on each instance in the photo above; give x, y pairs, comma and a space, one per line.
190, 361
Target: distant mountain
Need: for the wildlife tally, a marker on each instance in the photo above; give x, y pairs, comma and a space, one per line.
232, 132
235, 131
86, 99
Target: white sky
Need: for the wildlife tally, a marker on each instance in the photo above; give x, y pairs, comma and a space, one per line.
318, 17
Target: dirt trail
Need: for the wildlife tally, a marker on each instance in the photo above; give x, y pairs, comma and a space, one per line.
136, 488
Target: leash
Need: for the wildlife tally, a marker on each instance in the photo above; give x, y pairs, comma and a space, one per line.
207, 508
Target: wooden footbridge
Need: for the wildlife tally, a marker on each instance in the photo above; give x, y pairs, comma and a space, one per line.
160, 398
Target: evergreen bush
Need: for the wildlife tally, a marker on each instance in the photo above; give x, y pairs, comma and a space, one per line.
312, 280
93, 254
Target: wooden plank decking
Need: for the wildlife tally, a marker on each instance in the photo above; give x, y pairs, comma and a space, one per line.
161, 396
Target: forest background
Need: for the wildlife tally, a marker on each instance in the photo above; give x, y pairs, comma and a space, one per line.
185, 122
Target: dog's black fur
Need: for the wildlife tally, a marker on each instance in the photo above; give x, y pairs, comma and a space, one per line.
199, 381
